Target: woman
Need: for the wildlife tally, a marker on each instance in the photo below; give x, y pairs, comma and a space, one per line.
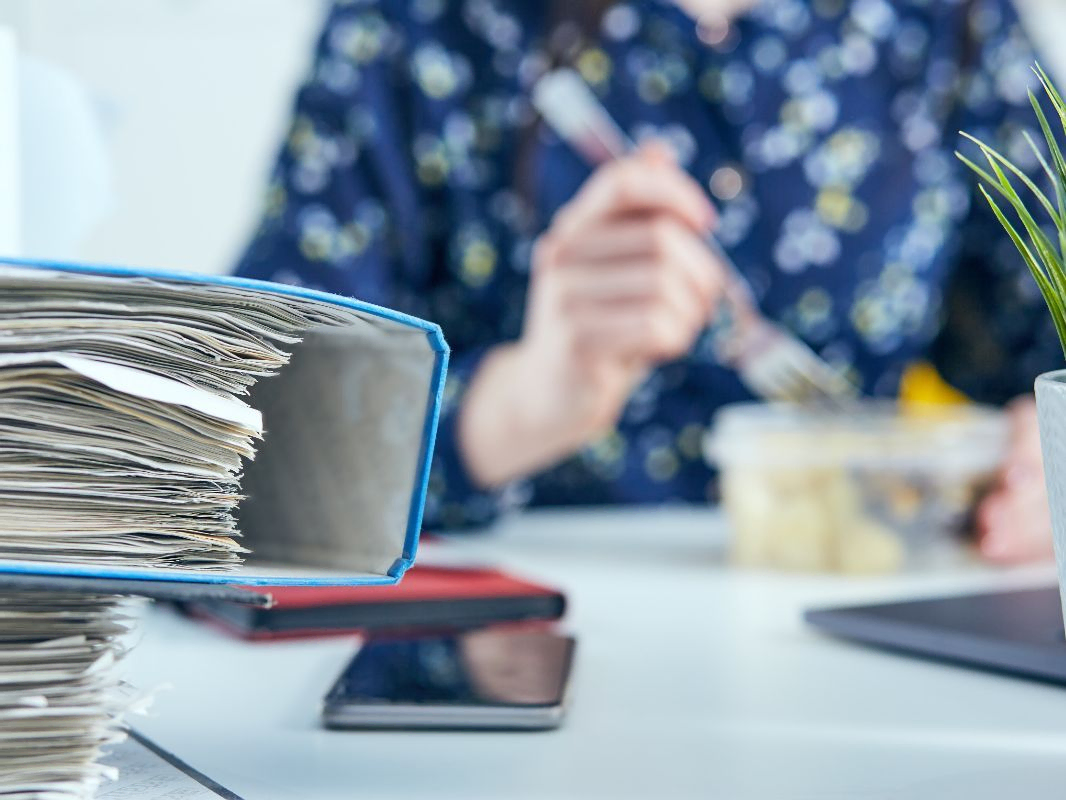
814, 138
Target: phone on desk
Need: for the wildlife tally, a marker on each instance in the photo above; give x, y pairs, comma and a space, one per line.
486, 678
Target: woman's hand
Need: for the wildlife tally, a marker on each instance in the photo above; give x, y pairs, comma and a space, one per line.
1013, 521
620, 282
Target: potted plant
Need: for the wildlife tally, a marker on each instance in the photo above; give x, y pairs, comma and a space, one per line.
1046, 258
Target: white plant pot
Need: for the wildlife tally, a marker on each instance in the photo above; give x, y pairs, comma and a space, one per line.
1051, 408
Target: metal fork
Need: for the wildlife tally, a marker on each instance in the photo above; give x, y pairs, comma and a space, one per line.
770, 360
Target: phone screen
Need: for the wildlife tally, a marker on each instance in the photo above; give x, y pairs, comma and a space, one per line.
446, 679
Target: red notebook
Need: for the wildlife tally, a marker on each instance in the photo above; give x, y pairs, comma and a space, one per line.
427, 597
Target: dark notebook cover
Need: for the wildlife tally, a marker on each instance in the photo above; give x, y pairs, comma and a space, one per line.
428, 597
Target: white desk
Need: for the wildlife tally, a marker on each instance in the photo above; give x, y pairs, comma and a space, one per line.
693, 680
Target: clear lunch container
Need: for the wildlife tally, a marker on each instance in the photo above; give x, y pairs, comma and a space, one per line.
869, 490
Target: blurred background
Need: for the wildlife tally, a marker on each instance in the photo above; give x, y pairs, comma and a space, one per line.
187, 100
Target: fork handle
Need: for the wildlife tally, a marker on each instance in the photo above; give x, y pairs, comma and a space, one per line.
735, 311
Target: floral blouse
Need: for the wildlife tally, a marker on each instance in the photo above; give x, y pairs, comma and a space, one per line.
415, 175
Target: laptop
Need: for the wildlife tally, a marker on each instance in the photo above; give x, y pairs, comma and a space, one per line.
1018, 633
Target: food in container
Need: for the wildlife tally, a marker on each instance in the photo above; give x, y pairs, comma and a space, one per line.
866, 490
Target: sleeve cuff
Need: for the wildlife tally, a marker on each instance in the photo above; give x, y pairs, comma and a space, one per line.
454, 501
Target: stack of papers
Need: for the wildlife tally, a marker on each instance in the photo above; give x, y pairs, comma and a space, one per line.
122, 428
61, 701
123, 433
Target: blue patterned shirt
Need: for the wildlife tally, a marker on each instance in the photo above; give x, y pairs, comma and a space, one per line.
415, 175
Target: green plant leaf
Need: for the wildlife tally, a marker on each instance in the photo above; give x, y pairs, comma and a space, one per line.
1051, 259
1059, 178
1052, 262
1052, 298
1049, 137
1045, 259
1053, 93
994, 155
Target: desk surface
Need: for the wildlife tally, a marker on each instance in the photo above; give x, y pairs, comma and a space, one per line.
693, 680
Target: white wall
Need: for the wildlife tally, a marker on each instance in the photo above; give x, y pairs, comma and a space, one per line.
1047, 26
195, 93
10, 200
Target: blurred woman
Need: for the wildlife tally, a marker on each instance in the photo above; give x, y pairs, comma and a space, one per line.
815, 138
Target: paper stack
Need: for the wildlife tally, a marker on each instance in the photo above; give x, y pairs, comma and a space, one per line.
60, 698
122, 436
121, 428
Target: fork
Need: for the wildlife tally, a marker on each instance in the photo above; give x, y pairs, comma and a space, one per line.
772, 362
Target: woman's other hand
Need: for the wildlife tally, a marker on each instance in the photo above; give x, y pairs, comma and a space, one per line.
621, 281
1013, 521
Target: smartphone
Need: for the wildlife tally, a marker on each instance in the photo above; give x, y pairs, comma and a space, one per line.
485, 678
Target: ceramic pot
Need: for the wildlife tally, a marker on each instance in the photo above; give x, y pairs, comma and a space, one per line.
1051, 408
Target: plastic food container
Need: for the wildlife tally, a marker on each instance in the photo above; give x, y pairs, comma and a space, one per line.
868, 490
